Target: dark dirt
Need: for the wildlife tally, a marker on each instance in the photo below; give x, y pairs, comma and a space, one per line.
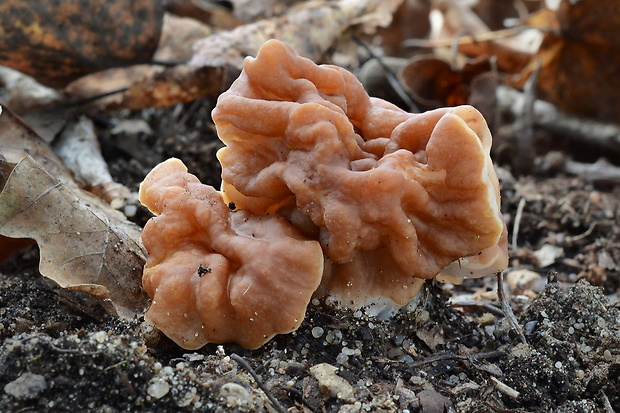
443, 352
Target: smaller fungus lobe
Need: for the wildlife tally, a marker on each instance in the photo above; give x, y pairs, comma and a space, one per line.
266, 280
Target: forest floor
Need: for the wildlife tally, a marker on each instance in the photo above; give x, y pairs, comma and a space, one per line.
452, 349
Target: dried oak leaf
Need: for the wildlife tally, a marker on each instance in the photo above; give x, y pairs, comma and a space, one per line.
454, 19
81, 247
17, 139
58, 42
40, 200
309, 27
148, 86
434, 83
580, 60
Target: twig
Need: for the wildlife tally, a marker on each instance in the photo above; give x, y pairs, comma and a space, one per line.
517, 223
507, 309
299, 395
473, 303
447, 355
462, 40
504, 388
243, 363
572, 239
523, 162
606, 403
391, 77
599, 171
72, 350
548, 117
93, 98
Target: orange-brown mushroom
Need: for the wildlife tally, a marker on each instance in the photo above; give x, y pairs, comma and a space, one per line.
215, 275
315, 167
392, 197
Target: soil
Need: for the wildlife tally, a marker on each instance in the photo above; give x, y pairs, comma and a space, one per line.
451, 350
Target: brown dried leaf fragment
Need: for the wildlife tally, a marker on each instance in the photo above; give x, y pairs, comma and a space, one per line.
17, 140
57, 42
81, 247
579, 62
310, 27
149, 86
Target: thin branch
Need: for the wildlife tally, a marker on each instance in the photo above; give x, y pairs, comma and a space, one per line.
447, 355
517, 223
508, 310
93, 98
243, 363
462, 40
550, 118
391, 77
504, 388
474, 303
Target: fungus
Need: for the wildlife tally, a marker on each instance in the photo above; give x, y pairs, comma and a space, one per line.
392, 197
325, 192
217, 276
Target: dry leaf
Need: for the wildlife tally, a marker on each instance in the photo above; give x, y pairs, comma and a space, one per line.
453, 18
252, 10
81, 248
431, 401
83, 241
177, 38
310, 28
580, 65
18, 140
213, 13
57, 42
433, 83
23, 94
401, 28
149, 86
79, 149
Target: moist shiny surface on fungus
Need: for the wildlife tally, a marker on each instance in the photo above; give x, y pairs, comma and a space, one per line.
391, 196
335, 194
221, 276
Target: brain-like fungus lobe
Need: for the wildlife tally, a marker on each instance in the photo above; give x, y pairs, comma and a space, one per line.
391, 196
216, 276
387, 197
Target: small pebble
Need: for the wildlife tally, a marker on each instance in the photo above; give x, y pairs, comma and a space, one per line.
236, 395
342, 358
130, 210
398, 340
100, 336
530, 326
328, 380
158, 389
334, 337
317, 332
27, 386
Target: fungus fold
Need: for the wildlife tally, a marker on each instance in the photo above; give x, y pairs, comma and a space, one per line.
336, 194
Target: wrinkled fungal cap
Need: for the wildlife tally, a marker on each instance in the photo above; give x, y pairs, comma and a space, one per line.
392, 197
219, 276
316, 168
